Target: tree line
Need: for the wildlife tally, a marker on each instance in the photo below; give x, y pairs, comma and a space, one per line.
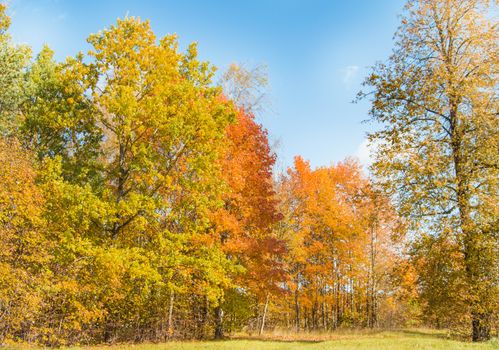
139, 201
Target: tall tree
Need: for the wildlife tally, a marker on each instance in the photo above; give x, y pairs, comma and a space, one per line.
247, 219
437, 155
130, 136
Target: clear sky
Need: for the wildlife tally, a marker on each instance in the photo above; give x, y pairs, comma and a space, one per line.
317, 53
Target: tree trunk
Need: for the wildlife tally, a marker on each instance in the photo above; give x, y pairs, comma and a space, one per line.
297, 311
481, 327
205, 318
170, 314
324, 315
479, 323
219, 317
313, 315
262, 326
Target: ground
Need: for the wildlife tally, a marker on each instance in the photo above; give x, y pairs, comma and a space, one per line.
400, 340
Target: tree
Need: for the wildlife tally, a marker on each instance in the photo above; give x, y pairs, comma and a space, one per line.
162, 123
128, 138
246, 221
249, 215
437, 156
24, 244
58, 119
246, 87
385, 231
339, 231
13, 61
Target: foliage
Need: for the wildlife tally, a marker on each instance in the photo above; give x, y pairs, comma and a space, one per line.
24, 253
246, 220
13, 60
341, 236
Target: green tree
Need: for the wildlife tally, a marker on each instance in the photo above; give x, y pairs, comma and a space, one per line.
437, 156
13, 61
58, 117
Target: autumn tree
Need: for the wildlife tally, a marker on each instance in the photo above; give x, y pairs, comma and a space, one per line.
385, 236
24, 244
339, 234
162, 122
247, 219
437, 156
129, 138
248, 216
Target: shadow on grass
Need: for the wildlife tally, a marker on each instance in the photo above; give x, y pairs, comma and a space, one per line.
278, 340
423, 333
335, 336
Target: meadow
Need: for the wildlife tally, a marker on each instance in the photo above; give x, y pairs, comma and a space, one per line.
386, 340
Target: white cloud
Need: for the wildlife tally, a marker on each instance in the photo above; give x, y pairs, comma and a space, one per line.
365, 152
349, 75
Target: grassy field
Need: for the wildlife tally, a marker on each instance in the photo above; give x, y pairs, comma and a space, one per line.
401, 340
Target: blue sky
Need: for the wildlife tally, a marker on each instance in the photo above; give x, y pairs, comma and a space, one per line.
317, 53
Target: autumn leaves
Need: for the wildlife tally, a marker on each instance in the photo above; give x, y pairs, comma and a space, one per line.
156, 210
138, 200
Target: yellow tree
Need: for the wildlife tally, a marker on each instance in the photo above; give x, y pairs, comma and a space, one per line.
437, 156
130, 136
24, 246
162, 122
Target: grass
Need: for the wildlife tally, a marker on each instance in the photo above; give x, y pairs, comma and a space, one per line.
399, 340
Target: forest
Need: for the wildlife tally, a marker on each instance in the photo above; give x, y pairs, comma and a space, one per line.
140, 201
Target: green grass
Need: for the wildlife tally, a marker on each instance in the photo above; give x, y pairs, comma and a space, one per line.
400, 340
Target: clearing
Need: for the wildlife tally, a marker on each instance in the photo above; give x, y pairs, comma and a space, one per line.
387, 340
